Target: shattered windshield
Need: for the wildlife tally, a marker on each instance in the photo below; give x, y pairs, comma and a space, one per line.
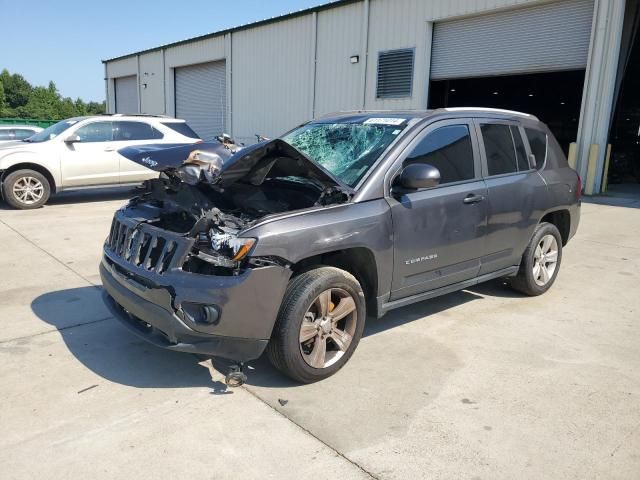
347, 150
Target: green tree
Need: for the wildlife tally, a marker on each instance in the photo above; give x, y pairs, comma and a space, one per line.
3, 99
16, 89
19, 99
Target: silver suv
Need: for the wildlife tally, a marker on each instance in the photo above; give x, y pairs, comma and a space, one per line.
82, 152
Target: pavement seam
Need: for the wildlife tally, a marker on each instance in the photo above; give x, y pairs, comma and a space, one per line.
308, 432
91, 322
49, 254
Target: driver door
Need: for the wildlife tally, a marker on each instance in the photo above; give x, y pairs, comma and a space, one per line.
439, 232
92, 158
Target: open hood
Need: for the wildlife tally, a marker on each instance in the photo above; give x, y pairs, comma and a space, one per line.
218, 164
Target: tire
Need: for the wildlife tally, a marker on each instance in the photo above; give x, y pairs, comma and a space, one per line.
531, 279
35, 187
301, 313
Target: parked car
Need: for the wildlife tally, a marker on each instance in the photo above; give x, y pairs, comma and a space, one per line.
288, 244
82, 152
12, 133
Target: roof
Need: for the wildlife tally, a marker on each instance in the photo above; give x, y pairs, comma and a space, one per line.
359, 116
246, 26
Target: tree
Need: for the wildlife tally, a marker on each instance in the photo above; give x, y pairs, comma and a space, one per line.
3, 99
16, 89
18, 98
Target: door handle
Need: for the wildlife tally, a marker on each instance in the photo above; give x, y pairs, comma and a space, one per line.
473, 198
109, 149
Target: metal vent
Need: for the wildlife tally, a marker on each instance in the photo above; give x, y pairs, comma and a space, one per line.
395, 73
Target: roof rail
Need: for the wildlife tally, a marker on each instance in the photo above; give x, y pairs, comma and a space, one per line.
135, 115
488, 110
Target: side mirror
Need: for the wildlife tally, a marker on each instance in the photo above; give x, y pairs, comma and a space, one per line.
418, 175
72, 139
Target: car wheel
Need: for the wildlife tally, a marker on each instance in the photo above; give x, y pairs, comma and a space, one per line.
26, 189
540, 262
319, 324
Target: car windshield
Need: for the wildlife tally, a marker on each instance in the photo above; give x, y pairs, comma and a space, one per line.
51, 132
347, 150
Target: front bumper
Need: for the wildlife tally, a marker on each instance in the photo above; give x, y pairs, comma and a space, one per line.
151, 305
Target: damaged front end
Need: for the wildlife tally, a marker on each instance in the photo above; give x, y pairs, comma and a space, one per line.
212, 193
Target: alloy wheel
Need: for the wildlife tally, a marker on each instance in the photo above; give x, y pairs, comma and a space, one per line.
28, 190
327, 328
545, 260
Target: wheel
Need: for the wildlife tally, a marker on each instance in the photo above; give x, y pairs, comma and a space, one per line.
319, 324
540, 262
26, 189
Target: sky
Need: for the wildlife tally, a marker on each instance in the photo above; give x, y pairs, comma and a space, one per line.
66, 40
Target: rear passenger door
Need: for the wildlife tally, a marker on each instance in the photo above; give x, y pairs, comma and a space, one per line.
516, 193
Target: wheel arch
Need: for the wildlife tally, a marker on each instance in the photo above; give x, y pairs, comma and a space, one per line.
31, 166
562, 220
358, 261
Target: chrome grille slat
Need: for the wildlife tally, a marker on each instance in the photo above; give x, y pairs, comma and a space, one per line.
144, 246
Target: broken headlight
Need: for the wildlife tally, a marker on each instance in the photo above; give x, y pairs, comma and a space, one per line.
230, 246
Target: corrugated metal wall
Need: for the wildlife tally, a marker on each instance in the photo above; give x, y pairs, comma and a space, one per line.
151, 83
338, 83
284, 73
272, 77
126, 95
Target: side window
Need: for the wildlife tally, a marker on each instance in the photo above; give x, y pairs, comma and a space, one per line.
95, 132
22, 133
449, 150
135, 131
498, 145
538, 144
521, 153
6, 134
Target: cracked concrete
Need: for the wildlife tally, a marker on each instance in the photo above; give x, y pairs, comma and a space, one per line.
482, 383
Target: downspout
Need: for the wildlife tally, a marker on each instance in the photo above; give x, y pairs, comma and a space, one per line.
365, 52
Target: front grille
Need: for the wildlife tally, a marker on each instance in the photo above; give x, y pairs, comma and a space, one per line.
142, 246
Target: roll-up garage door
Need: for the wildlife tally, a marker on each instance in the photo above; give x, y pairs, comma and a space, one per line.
201, 97
543, 38
126, 94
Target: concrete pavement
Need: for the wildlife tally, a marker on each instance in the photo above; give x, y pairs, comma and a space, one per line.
482, 383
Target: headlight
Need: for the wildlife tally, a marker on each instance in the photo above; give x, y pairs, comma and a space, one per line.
230, 246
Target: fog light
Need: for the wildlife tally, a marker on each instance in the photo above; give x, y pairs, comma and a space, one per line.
202, 314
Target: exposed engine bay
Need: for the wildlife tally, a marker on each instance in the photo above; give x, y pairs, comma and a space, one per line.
213, 192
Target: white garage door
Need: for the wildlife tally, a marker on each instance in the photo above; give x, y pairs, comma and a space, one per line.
126, 94
549, 37
201, 97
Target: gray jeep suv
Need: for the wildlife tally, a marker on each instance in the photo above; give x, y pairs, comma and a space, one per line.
288, 245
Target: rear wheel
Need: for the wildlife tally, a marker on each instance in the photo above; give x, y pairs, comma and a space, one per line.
540, 261
319, 324
26, 189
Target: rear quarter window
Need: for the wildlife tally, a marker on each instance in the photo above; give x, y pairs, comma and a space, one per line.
538, 144
182, 128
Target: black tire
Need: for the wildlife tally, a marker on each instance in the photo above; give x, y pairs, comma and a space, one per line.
22, 175
284, 349
525, 281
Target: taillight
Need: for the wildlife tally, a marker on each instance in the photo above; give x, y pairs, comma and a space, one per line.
579, 190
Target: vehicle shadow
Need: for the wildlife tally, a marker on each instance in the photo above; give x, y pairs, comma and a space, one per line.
108, 349
102, 345
263, 374
85, 196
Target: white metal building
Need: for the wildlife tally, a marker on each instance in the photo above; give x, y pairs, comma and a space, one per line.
270, 76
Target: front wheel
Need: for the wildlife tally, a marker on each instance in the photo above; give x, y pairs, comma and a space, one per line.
540, 262
319, 325
26, 189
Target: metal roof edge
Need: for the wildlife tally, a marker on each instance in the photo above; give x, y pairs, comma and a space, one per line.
246, 26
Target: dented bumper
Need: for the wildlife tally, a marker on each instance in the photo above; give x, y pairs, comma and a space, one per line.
167, 309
